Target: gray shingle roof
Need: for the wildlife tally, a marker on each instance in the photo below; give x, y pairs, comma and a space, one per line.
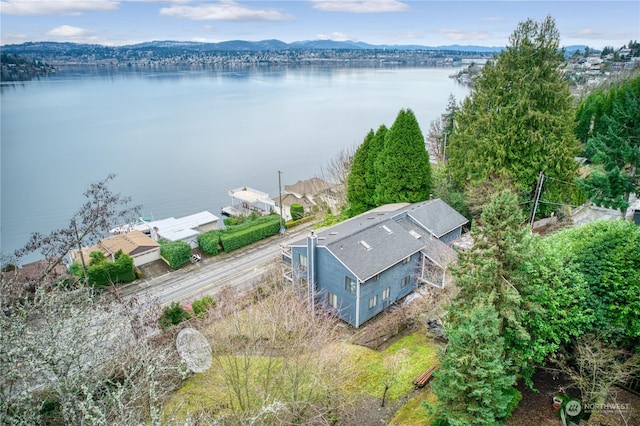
381, 248
375, 248
436, 216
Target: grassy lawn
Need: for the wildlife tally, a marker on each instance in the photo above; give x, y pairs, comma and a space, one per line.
367, 371
411, 355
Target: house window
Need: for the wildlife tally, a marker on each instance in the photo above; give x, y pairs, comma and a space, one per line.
405, 281
332, 300
350, 285
302, 260
373, 301
386, 293
406, 260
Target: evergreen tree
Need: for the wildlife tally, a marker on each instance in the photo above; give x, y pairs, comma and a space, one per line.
359, 195
539, 300
370, 176
402, 168
517, 121
612, 120
494, 266
473, 384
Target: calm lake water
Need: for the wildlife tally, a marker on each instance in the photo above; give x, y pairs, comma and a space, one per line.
178, 141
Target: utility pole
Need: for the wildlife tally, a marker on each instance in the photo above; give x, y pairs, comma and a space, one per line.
537, 198
280, 201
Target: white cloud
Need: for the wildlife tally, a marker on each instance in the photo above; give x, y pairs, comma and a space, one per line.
224, 10
587, 33
68, 31
14, 39
56, 7
408, 36
360, 6
335, 36
467, 36
493, 19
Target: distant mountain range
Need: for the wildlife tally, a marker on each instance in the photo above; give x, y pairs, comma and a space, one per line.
248, 46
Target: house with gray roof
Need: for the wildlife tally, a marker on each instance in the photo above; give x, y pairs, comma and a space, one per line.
359, 267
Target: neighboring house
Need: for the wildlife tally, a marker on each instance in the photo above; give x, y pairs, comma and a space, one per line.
33, 272
288, 200
136, 244
185, 228
313, 192
245, 201
361, 266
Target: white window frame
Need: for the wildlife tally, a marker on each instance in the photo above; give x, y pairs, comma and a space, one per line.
302, 260
332, 300
386, 294
350, 284
373, 301
405, 281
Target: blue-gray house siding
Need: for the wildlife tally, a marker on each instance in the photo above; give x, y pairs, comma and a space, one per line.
358, 268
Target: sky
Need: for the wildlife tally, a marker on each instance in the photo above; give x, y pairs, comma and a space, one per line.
391, 22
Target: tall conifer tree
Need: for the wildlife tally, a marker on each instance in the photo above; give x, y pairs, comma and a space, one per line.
358, 194
518, 119
473, 384
402, 168
613, 143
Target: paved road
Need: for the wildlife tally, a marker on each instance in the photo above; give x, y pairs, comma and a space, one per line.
240, 269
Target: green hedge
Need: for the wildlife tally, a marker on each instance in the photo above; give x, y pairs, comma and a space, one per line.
291, 223
243, 235
176, 253
297, 211
209, 242
105, 273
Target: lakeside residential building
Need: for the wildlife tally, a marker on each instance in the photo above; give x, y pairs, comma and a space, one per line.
360, 267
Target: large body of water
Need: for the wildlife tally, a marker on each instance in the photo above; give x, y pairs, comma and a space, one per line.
178, 141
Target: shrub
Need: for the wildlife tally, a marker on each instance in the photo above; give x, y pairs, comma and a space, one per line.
515, 400
105, 273
172, 315
201, 306
75, 269
176, 253
209, 242
297, 211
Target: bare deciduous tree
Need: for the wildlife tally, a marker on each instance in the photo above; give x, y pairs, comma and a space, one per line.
93, 220
279, 363
435, 140
393, 365
337, 170
594, 368
69, 356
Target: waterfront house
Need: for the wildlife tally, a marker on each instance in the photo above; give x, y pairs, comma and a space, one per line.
316, 192
136, 244
288, 200
360, 267
186, 228
245, 201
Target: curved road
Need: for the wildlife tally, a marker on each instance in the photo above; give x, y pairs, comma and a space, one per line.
239, 269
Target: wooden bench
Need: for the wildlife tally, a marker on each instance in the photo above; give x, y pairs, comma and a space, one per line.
424, 378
